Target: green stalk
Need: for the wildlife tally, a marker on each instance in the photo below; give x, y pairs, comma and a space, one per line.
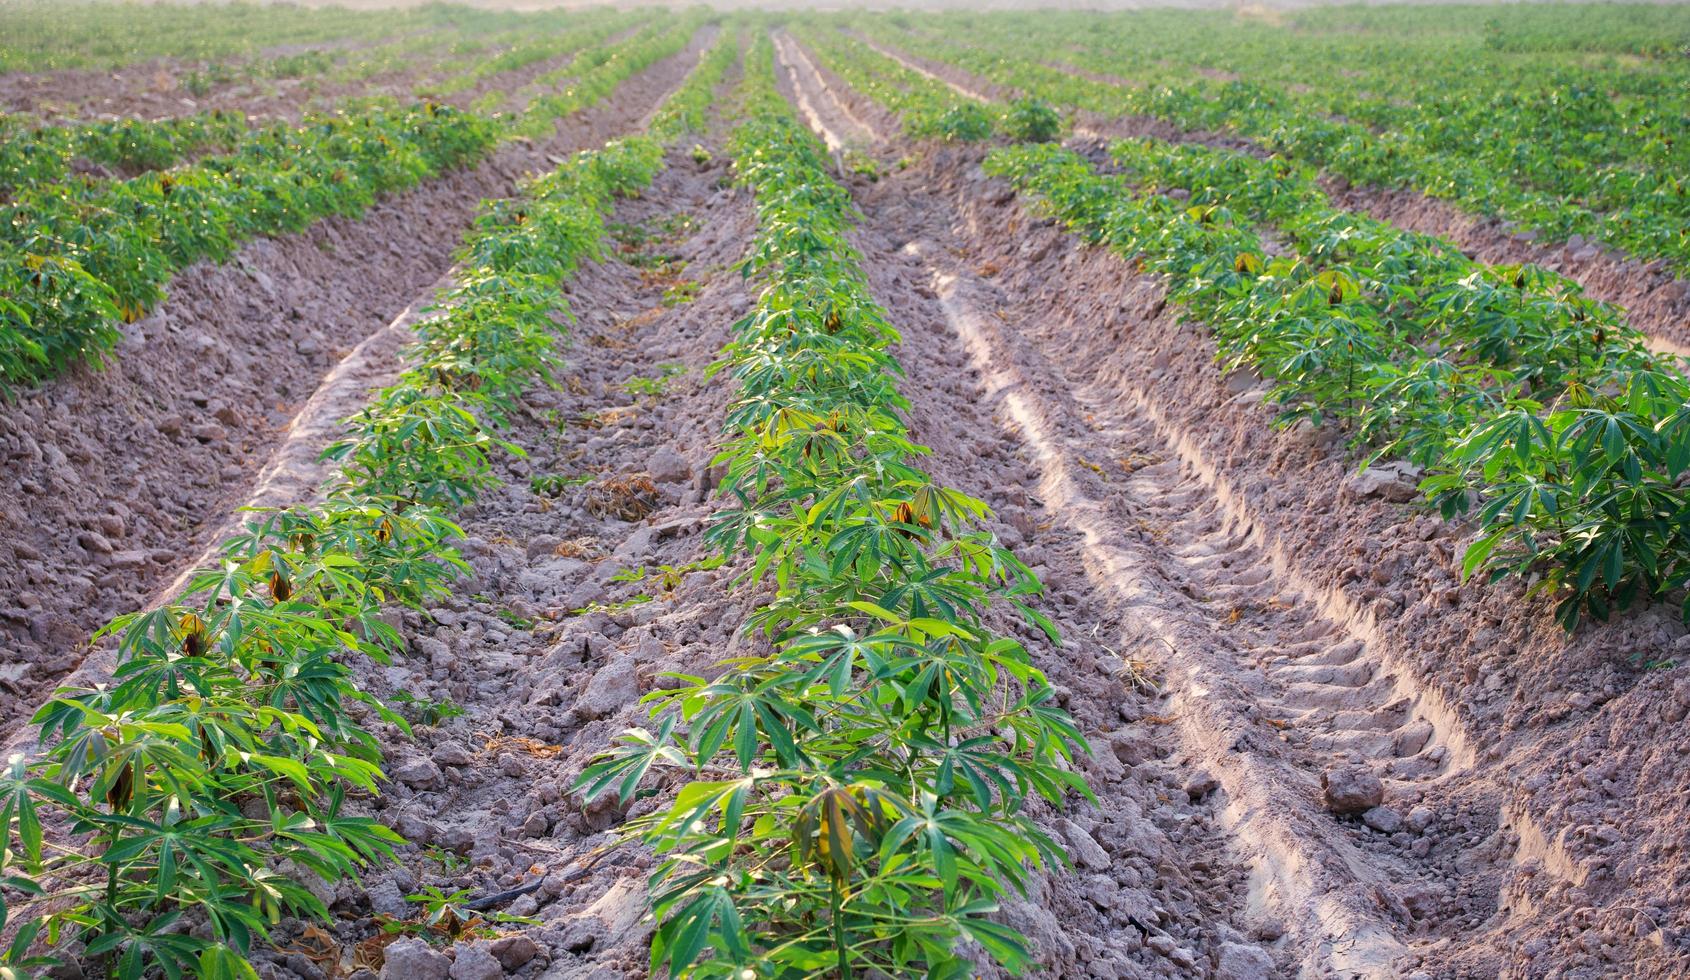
836, 903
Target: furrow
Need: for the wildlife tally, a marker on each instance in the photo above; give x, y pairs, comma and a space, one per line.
837, 125
1299, 867
961, 90
1275, 686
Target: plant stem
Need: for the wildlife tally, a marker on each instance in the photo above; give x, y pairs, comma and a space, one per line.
836, 902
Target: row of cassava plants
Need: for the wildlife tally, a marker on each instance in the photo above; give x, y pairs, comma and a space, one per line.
76, 261
1554, 159
180, 811
687, 110
854, 784
586, 30
75, 264
601, 70
1523, 399
40, 35
32, 153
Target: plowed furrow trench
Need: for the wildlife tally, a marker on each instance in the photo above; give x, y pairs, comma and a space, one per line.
1269, 687
1155, 889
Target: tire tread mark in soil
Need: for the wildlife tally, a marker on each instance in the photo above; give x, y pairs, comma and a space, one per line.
1272, 690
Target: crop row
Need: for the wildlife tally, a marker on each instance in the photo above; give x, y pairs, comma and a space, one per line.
687, 109
231, 41
853, 787
1579, 127
1521, 398
32, 154
76, 261
209, 781
1556, 179
583, 31
38, 35
598, 71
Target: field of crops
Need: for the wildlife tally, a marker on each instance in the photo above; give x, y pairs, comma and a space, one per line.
626, 492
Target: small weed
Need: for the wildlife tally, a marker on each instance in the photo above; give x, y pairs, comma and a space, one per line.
668, 578
681, 293
862, 165
656, 385
516, 621
554, 484
611, 607
451, 863
636, 237
425, 711
448, 918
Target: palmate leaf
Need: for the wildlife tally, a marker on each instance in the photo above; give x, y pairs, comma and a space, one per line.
222, 963
837, 823
1005, 944
626, 764
745, 714
697, 800
840, 652
708, 918
20, 793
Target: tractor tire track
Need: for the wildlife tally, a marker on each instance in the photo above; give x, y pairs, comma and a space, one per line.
1270, 692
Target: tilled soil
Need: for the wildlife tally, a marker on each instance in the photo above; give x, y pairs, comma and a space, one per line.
1311, 629
541, 685
1467, 701
116, 478
1316, 752
1152, 893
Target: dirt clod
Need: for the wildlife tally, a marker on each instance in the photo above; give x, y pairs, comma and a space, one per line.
1351, 790
413, 959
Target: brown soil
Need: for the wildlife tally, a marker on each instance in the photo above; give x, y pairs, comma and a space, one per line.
1317, 753
117, 478
543, 690
1152, 894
